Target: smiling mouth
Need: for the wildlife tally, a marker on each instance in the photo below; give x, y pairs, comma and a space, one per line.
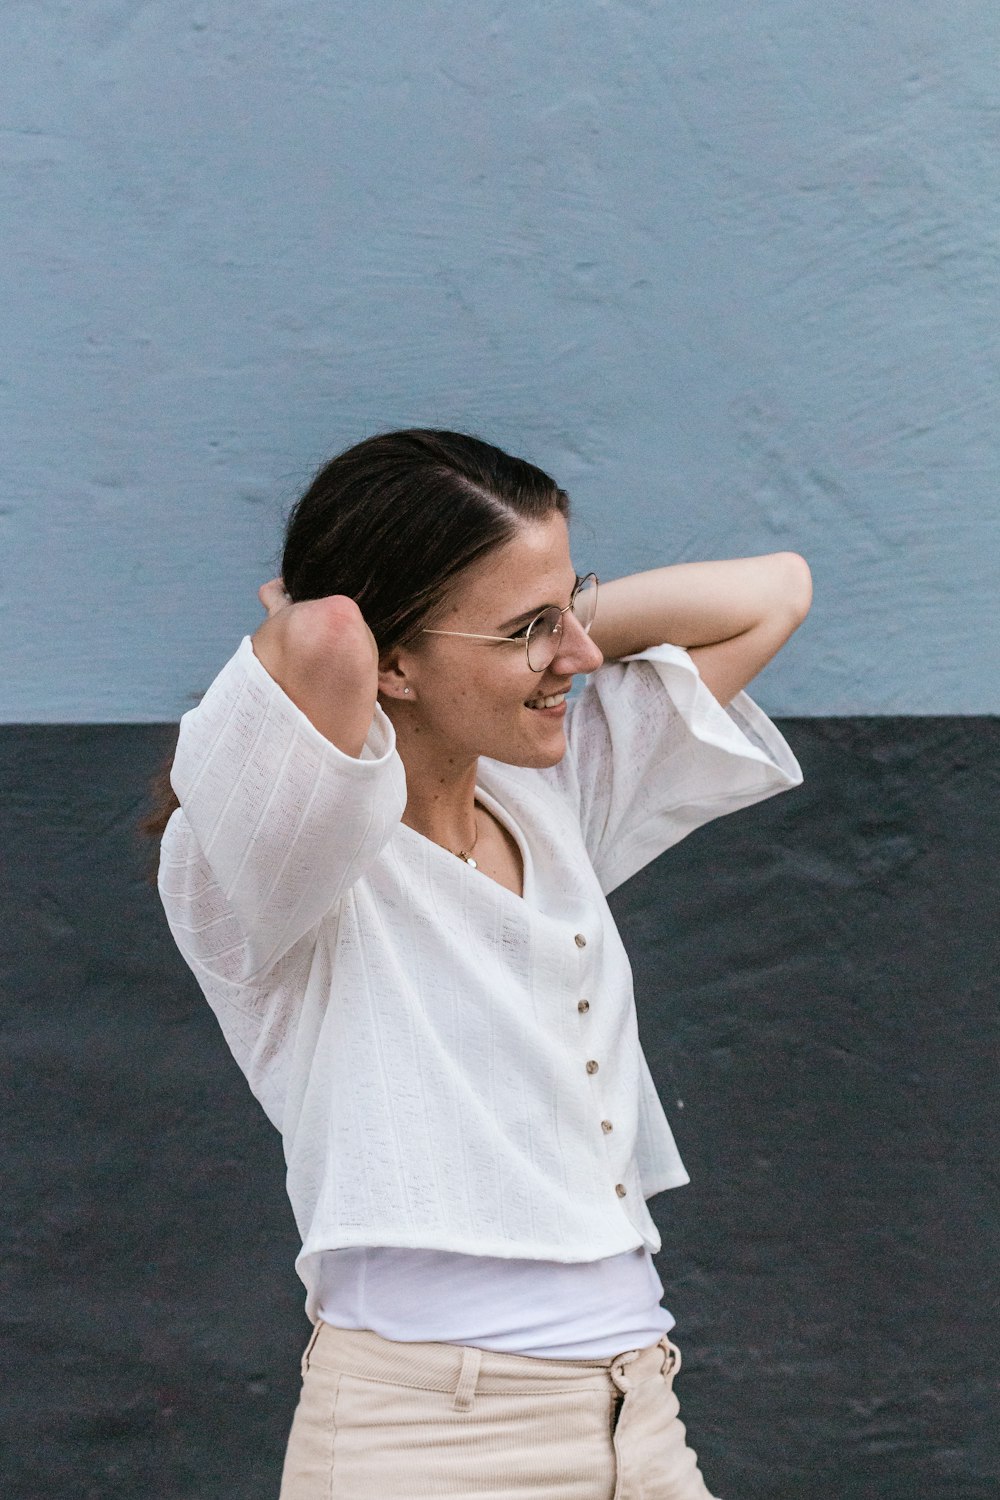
547, 700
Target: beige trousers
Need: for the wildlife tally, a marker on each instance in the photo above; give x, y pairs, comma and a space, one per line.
381, 1420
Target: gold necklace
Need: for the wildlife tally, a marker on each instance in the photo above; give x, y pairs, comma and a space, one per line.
466, 854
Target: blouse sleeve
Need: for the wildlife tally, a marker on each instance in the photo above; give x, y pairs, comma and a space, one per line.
652, 755
275, 823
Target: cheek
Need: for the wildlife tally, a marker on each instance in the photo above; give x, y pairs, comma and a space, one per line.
503, 702
480, 701
498, 690
497, 707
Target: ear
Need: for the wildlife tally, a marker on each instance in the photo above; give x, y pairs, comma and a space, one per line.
393, 680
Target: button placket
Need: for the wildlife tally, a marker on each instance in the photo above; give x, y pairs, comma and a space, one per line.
583, 1006
592, 1065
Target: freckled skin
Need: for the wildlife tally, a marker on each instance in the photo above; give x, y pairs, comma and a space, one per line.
450, 699
467, 698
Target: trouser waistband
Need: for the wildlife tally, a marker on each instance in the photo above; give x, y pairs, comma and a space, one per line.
464, 1370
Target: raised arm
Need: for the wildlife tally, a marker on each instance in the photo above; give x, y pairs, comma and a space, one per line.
731, 616
323, 655
289, 786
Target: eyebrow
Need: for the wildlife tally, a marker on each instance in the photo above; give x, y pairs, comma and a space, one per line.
529, 614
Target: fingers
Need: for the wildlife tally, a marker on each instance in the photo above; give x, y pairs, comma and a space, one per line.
272, 596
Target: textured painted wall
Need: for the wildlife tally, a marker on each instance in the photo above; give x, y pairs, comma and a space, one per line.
816, 989
730, 271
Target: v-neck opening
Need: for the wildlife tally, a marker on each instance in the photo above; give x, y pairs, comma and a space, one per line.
508, 823
505, 820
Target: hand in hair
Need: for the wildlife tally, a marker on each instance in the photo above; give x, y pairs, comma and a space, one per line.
272, 595
323, 655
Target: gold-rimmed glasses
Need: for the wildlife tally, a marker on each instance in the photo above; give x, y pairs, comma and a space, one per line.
541, 636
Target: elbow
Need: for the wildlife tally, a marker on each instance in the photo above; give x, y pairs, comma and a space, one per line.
796, 589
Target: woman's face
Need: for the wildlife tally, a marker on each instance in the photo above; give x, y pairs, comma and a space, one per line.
473, 697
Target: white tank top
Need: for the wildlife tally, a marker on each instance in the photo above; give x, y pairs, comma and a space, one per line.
549, 1309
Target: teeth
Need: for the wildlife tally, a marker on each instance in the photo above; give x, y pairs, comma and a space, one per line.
549, 702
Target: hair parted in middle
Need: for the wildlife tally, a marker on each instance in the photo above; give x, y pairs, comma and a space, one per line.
391, 521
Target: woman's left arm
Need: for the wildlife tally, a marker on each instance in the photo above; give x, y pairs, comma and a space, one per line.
730, 616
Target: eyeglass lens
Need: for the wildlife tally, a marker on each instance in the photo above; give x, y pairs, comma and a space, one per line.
546, 629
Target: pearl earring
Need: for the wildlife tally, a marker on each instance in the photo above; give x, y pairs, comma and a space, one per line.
406, 690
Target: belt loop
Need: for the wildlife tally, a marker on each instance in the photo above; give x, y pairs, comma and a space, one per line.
465, 1391
309, 1347
671, 1358
617, 1369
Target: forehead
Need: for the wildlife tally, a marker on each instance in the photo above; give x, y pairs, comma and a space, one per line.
531, 570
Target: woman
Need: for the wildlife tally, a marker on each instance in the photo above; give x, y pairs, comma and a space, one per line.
388, 872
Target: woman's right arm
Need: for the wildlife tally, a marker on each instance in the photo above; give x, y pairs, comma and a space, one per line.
323, 655
289, 787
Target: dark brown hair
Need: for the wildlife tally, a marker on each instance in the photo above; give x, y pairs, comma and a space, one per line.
391, 523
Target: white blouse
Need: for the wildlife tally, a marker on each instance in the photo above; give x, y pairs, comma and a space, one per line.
451, 1066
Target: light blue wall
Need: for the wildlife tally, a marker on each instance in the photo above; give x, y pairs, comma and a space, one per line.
729, 270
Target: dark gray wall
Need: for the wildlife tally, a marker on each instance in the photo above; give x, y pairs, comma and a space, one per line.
817, 995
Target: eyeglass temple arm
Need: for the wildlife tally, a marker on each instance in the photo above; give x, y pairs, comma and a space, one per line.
473, 635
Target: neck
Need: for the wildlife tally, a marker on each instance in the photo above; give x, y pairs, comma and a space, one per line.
440, 787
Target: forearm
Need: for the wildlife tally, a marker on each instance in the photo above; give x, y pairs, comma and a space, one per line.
702, 603
731, 616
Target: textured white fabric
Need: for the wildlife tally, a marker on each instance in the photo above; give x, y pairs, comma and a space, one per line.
411, 1026
544, 1308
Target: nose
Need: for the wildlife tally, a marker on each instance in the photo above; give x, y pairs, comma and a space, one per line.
577, 652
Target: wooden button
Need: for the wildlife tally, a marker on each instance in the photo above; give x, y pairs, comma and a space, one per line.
607, 1127
592, 1066
620, 1189
583, 1006
580, 940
